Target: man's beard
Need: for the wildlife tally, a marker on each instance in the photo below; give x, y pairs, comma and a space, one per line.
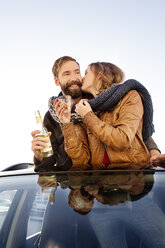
74, 93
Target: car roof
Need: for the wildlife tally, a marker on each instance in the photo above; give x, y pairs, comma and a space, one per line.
69, 205
29, 169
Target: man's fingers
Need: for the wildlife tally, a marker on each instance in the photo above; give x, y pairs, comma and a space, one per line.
49, 134
33, 133
40, 143
37, 148
40, 140
35, 136
161, 157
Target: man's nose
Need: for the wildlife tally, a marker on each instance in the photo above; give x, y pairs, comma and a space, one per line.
74, 77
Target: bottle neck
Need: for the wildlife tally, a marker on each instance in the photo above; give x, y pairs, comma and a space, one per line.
39, 122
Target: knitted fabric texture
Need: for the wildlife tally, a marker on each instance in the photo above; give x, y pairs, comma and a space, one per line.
111, 97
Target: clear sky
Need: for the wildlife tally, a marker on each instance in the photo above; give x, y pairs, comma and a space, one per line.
34, 33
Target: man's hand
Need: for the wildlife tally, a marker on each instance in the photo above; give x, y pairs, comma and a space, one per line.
83, 107
158, 160
153, 155
62, 113
39, 143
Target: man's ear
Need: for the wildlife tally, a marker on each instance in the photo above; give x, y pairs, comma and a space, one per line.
56, 81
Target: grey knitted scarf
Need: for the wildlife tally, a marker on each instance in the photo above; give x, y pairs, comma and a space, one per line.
111, 97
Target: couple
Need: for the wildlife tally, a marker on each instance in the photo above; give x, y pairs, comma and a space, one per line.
111, 134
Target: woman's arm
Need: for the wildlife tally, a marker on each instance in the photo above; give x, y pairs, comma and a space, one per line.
151, 145
121, 134
152, 148
76, 144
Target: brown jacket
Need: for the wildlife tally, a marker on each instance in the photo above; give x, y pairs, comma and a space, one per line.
118, 130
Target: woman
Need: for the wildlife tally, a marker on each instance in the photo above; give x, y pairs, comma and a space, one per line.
113, 135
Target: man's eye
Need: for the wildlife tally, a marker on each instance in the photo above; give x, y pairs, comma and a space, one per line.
78, 72
66, 74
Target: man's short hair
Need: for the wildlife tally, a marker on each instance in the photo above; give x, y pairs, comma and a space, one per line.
59, 62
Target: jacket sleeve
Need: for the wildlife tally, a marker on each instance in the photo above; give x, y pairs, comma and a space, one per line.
121, 133
76, 144
151, 145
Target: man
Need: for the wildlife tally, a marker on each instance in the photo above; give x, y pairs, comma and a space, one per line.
67, 75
